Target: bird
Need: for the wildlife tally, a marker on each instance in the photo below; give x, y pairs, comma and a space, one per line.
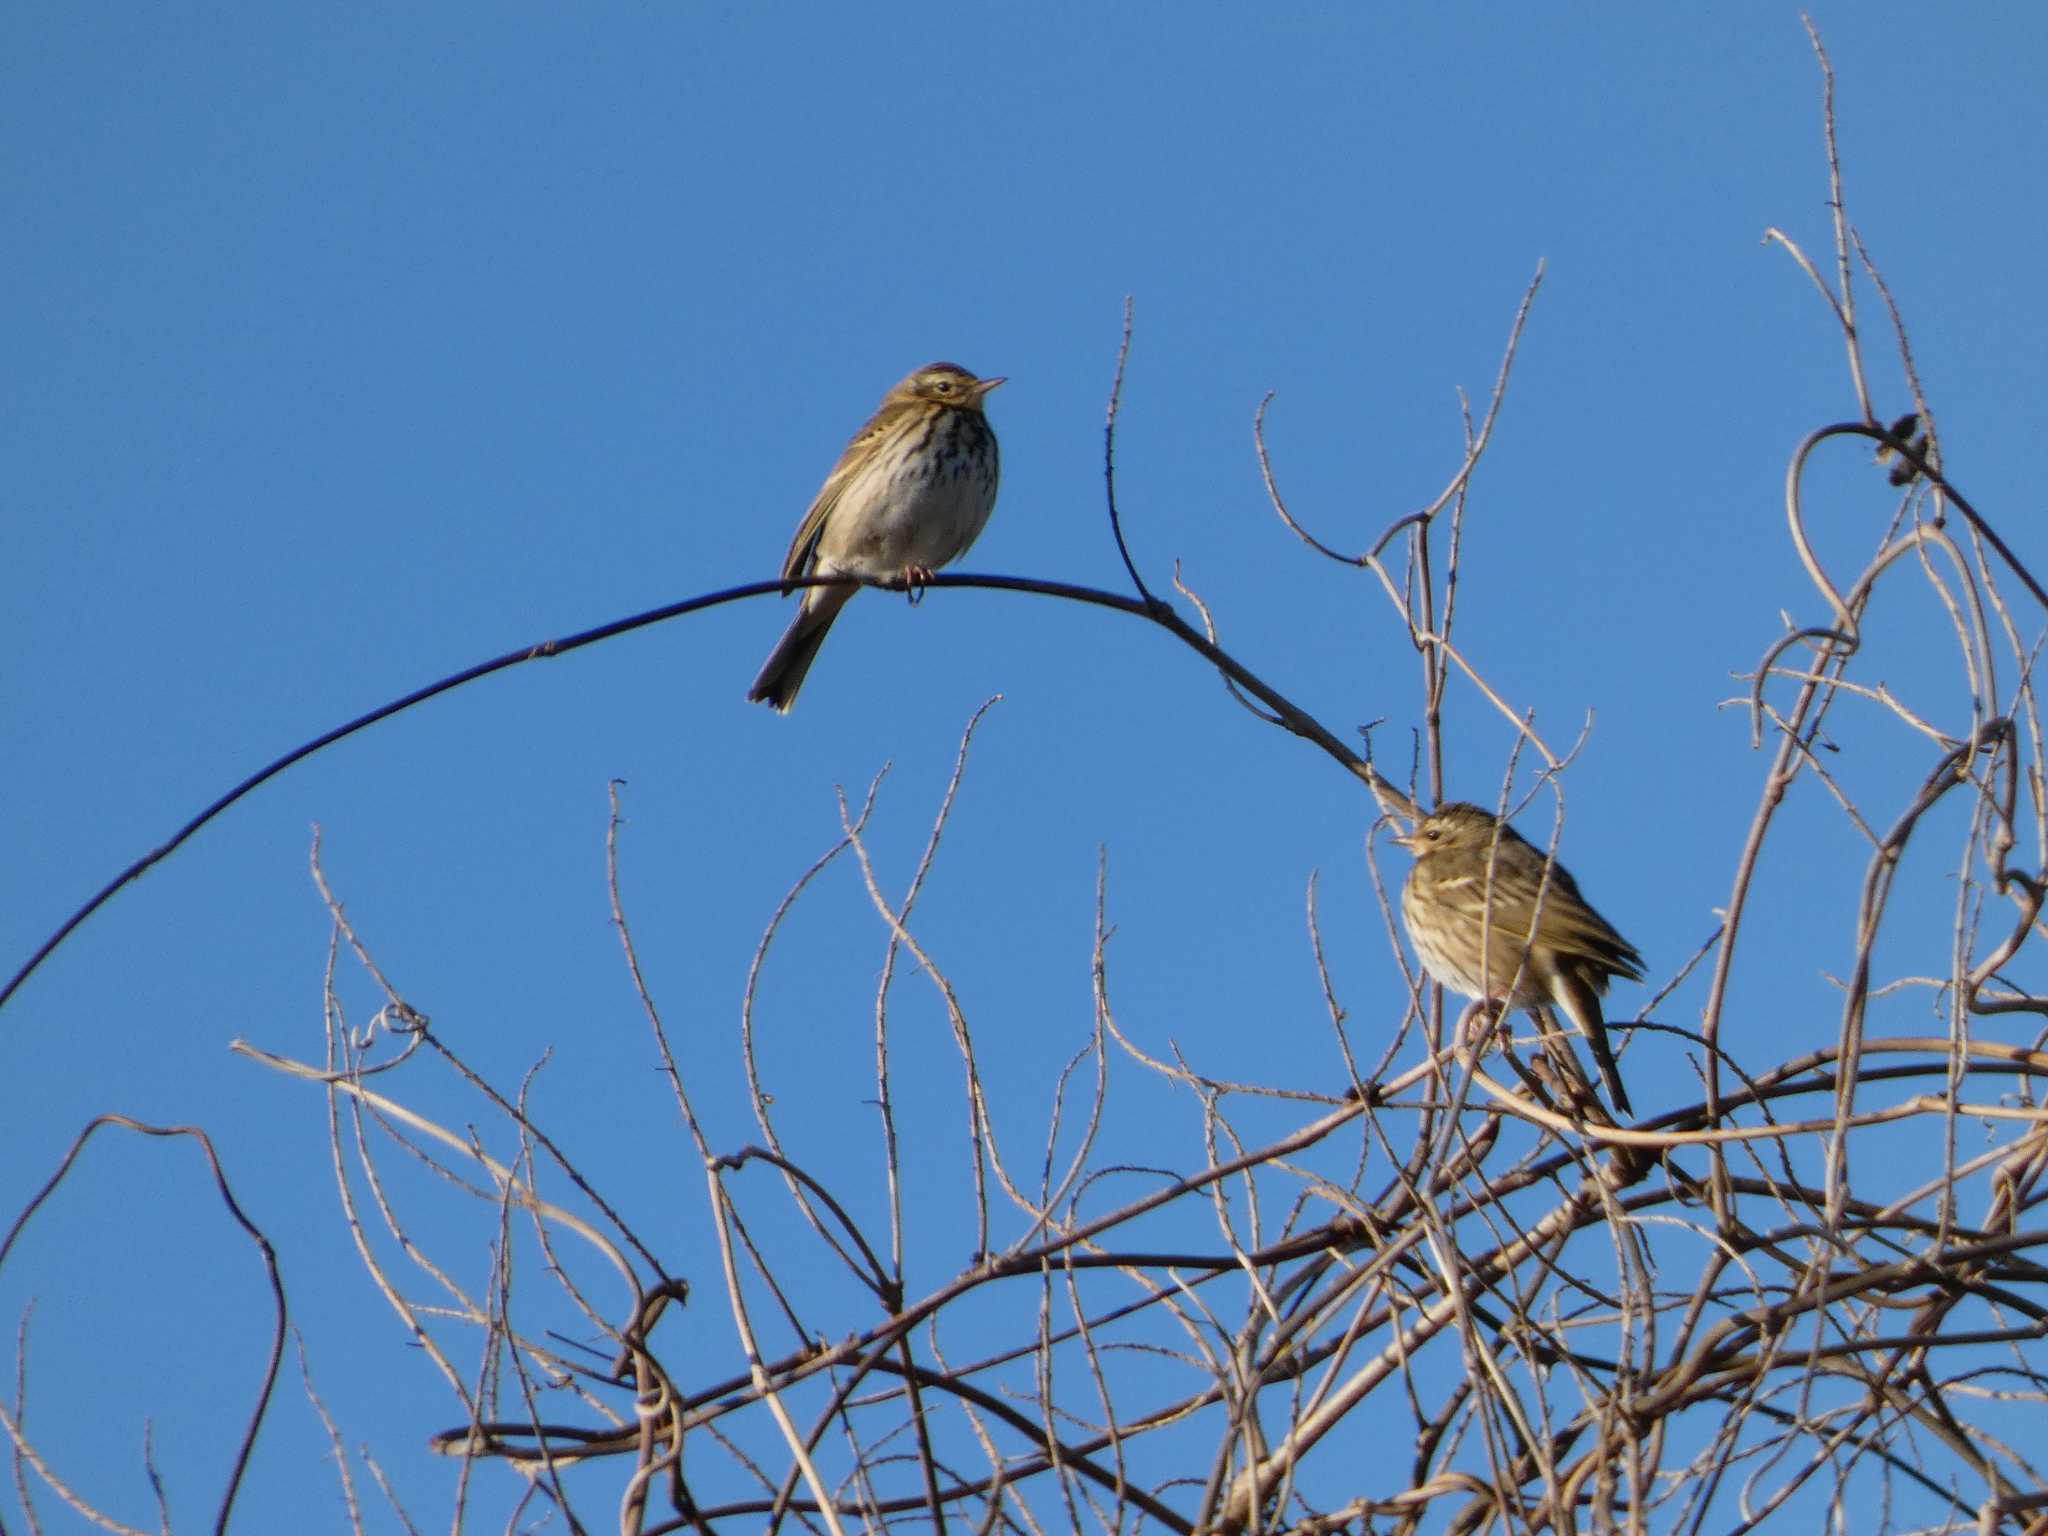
912, 491
1903, 429
1568, 959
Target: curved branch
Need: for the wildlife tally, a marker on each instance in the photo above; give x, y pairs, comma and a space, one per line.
247, 1446
1116, 522
1291, 716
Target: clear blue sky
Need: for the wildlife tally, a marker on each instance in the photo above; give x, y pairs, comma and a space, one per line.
346, 349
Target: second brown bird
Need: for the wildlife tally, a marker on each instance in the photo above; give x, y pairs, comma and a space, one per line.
1473, 935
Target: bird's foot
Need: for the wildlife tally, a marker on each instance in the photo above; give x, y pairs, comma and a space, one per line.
1482, 1025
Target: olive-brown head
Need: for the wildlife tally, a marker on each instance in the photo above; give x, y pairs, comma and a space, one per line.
943, 384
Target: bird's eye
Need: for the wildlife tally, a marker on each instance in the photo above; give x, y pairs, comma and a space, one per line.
943, 386
1432, 833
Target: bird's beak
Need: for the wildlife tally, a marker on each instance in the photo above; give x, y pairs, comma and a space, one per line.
1404, 840
983, 386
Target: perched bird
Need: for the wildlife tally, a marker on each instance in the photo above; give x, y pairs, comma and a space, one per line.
910, 493
1903, 429
1567, 959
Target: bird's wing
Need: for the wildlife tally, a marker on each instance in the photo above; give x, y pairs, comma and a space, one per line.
1567, 924
803, 549
1570, 925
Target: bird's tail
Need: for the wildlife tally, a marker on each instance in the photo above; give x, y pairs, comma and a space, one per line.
1610, 1073
1582, 1002
782, 674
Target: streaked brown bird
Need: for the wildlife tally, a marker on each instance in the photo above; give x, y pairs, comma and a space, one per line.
912, 490
1571, 951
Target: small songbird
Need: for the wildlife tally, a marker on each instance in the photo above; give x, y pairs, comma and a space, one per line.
1567, 960
912, 490
1903, 429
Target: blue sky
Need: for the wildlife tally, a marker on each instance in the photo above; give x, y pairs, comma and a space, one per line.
347, 350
